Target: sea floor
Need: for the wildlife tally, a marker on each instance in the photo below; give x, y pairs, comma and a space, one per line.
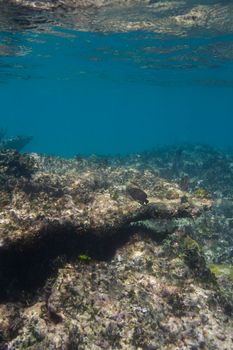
123, 252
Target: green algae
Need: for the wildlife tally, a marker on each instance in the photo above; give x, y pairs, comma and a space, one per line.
201, 192
84, 257
190, 244
225, 274
225, 270
190, 253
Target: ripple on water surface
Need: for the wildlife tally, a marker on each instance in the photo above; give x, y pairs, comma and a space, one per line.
162, 42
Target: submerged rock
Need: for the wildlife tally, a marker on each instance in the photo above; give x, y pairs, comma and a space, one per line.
144, 297
15, 165
15, 143
84, 264
82, 197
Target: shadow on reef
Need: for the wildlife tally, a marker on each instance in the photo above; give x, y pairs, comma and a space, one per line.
20, 266
141, 287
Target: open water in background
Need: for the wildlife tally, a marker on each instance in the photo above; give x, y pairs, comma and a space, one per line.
80, 87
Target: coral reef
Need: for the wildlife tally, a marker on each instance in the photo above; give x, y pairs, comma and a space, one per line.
114, 252
206, 173
16, 143
83, 197
145, 296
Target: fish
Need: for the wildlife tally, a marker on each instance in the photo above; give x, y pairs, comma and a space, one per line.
137, 194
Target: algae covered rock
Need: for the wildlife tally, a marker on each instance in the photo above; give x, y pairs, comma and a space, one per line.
15, 165
141, 297
51, 195
85, 264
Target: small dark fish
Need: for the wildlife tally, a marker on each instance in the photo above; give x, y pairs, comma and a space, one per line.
137, 194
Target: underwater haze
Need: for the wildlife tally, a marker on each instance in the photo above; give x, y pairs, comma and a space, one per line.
116, 81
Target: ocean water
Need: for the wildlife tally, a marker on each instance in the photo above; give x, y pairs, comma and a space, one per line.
118, 79
115, 252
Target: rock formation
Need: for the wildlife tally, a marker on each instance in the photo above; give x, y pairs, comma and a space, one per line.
81, 267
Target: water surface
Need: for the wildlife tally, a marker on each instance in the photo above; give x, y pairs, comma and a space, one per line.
118, 79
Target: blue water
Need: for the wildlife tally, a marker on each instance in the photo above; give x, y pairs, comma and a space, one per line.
103, 92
